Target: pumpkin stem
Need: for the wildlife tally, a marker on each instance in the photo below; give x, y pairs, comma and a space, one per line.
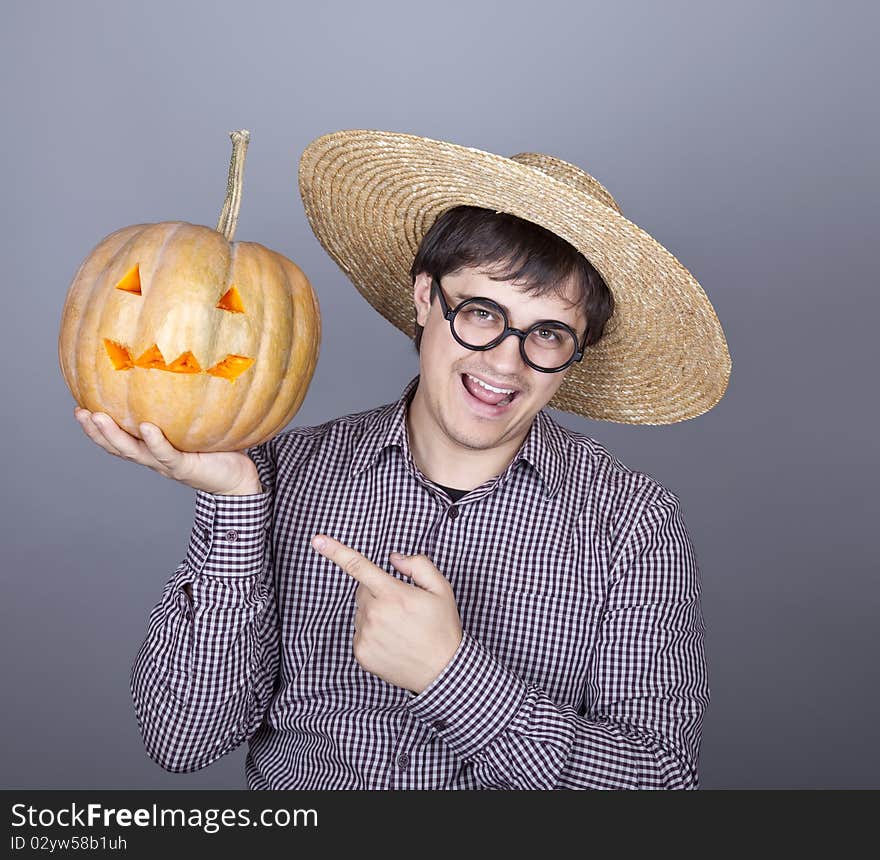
229, 214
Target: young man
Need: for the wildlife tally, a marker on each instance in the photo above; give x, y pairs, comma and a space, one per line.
498, 602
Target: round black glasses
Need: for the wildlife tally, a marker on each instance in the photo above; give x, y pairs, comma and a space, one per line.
477, 323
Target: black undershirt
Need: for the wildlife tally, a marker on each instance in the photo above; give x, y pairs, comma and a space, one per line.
454, 494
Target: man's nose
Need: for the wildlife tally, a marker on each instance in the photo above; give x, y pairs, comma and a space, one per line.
505, 357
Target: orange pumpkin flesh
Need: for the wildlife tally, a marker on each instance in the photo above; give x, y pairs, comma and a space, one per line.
131, 280
173, 323
231, 301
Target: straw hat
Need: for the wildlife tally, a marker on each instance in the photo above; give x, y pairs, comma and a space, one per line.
370, 196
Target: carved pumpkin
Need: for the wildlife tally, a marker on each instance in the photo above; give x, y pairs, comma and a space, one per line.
173, 323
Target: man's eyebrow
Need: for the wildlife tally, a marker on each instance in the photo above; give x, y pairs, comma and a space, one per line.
458, 297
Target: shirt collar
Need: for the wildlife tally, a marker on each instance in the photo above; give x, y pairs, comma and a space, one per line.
543, 448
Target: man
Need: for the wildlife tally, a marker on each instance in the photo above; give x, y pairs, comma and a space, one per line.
452, 590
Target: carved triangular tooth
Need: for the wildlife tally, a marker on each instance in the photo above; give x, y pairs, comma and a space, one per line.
231, 366
119, 355
151, 359
185, 363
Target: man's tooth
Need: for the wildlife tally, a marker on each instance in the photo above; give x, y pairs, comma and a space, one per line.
490, 387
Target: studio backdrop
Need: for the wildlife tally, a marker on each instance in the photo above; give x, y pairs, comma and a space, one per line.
744, 137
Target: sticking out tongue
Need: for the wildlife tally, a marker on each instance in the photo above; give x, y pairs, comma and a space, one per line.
483, 393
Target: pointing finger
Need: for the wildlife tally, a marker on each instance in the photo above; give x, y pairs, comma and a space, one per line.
353, 563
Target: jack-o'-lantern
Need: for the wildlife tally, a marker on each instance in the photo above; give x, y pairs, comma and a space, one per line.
173, 323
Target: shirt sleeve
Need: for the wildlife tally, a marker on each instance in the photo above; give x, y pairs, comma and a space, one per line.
647, 688
206, 671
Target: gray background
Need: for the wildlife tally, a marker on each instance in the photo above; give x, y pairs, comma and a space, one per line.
742, 136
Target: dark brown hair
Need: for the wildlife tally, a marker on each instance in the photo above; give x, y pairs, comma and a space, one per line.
515, 250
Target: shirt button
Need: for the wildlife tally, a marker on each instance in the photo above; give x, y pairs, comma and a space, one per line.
403, 761
439, 725
452, 512
232, 535
206, 534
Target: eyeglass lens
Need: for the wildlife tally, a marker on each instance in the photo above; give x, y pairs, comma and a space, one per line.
479, 323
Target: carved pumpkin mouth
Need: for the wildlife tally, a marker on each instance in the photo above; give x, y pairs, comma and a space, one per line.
152, 359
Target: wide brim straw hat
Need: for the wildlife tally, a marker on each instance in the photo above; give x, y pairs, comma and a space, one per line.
370, 196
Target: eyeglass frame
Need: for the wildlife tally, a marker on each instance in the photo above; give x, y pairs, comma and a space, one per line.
449, 316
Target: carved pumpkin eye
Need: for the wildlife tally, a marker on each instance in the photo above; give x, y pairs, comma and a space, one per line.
131, 280
231, 301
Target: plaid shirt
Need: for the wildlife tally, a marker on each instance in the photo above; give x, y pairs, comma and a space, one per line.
581, 663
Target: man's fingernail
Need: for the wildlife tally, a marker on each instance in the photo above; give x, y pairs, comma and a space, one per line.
319, 543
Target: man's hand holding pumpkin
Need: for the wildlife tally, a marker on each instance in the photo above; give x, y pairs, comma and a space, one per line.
404, 633
230, 473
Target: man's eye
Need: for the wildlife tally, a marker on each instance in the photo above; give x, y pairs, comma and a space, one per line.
548, 335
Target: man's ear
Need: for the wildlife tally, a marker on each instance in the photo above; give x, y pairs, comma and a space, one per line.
422, 297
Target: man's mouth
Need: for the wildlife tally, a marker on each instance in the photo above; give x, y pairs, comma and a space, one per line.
486, 392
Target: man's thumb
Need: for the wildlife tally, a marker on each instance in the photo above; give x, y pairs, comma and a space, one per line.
421, 569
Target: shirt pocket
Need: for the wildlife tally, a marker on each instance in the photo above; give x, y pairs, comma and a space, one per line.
545, 638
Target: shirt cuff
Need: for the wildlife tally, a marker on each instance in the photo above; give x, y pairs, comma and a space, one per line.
473, 699
228, 534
